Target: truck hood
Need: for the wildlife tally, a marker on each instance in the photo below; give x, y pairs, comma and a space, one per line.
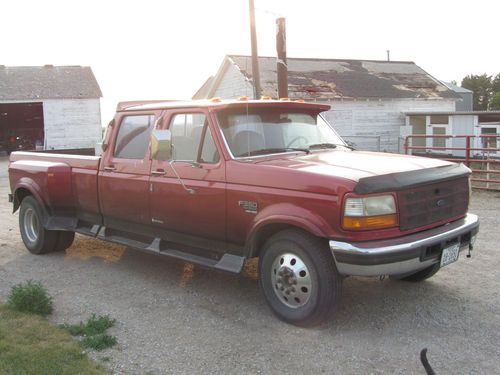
354, 165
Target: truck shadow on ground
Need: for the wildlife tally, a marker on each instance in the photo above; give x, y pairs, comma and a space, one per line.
366, 304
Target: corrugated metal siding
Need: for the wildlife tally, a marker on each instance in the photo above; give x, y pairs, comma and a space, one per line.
466, 103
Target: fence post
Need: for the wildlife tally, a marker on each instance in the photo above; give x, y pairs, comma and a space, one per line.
406, 145
467, 150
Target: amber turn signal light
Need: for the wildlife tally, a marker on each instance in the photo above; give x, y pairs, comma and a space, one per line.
370, 222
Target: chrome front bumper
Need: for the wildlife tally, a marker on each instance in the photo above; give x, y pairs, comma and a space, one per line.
403, 255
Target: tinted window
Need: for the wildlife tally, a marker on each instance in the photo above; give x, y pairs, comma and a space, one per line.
259, 130
133, 137
209, 153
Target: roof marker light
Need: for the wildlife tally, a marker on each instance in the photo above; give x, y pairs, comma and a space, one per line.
216, 100
243, 98
285, 99
265, 97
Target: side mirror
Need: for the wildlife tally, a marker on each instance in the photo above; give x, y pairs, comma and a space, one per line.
161, 145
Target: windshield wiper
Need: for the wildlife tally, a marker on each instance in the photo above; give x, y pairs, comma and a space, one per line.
328, 145
263, 151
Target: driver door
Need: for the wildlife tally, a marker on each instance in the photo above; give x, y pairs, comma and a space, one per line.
187, 193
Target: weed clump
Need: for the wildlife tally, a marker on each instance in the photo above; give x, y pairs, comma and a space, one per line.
98, 342
93, 332
30, 297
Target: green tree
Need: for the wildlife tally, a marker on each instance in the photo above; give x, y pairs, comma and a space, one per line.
495, 102
495, 83
481, 86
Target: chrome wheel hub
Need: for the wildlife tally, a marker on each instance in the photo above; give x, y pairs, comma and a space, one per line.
31, 225
291, 280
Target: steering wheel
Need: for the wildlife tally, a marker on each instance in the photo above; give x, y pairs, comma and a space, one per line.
295, 140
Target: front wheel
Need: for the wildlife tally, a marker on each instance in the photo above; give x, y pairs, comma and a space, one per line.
36, 238
298, 277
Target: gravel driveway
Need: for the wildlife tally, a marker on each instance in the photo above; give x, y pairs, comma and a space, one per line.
173, 317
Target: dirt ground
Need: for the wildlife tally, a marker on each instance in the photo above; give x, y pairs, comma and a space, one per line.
173, 317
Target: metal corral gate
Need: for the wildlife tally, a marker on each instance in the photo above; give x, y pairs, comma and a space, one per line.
481, 153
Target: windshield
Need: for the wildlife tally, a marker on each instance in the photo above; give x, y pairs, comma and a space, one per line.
263, 131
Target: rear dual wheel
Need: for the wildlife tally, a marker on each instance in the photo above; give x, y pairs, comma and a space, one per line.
36, 238
298, 277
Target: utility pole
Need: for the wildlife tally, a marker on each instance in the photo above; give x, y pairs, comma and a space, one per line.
282, 68
255, 55
388, 55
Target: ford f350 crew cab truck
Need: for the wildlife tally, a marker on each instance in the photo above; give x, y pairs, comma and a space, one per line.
218, 182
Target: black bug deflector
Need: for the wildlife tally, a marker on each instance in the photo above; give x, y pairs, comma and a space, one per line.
404, 180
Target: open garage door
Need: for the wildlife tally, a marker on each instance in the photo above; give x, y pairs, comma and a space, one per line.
21, 126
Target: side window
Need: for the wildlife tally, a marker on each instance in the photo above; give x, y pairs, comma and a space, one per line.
133, 137
186, 132
209, 153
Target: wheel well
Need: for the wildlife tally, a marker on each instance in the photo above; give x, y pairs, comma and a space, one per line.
19, 195
264, 233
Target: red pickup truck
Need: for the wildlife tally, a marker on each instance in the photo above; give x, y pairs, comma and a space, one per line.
218, 182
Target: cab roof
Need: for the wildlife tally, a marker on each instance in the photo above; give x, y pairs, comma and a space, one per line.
217, 104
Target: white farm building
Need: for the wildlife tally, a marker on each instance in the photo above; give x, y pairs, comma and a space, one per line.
49, 107
369, 99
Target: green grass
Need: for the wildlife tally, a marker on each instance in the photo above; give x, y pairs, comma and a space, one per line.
30, 297
30, 345
93, 332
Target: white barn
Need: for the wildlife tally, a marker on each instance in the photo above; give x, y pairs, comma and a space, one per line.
369, 99
50, 107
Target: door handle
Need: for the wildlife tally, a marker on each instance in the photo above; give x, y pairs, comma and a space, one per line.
158, 172
109, 168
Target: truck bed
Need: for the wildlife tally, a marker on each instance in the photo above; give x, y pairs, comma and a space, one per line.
66, 183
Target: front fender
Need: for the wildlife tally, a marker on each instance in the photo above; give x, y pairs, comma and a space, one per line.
285, 214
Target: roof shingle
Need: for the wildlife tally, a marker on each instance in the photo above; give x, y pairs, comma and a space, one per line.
48, 82
330, 79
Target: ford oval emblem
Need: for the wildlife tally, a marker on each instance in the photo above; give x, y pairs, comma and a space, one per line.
440, 203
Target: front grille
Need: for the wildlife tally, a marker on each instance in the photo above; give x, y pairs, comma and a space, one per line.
432, 203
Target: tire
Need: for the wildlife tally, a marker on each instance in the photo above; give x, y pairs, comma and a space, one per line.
64, 240
298, 278
420, 275
36, 238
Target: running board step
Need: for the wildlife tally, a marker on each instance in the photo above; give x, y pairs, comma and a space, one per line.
228, 262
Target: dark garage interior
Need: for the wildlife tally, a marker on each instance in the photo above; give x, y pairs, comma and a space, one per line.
21, 126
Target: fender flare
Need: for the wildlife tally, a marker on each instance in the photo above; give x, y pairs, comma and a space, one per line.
34, 190
291, 216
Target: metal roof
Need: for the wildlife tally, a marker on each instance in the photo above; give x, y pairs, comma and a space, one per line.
332, 79
458, 89
48, 82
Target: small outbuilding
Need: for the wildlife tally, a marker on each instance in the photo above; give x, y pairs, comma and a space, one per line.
49, 107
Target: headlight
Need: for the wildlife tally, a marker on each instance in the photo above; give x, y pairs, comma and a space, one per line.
370, 212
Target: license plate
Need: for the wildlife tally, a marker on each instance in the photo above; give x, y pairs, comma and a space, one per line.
450, 255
